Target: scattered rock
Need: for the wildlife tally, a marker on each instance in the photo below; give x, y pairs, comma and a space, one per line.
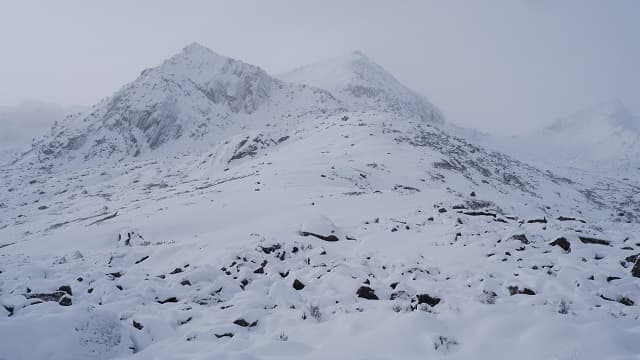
54, 296
514, 290
566, 218
172, 299
520, 237
65, 288
427, 299
479, 213
563, 243
635, 271
298, 285
400, 295
137, 325
132, 238
245, 323
176, 271
269, 249
488, 297
224, 335
142, 259
65, 301
625, 301
537, 221
114, 275
590, 240
366, 292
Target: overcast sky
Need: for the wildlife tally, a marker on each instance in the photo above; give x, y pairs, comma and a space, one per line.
501, 66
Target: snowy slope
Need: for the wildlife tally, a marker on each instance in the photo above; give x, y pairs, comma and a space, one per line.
312, 228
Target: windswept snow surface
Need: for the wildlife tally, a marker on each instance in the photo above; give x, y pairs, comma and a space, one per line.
303, 225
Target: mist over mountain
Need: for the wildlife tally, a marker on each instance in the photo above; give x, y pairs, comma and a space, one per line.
603, 138
25, 122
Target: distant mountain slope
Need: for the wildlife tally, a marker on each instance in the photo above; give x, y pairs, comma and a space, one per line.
21, 124
358, 81
604, 132
603, 137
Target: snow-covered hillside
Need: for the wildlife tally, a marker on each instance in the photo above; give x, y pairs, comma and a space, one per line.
262, 219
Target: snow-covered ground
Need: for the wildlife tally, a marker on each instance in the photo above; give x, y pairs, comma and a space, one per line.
309, 225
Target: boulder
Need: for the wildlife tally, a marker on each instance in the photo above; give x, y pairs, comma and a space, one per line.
366, 292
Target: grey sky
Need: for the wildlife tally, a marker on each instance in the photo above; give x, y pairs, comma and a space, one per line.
500, 66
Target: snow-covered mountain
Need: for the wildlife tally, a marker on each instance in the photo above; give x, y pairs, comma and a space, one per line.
209, 210
194, 99
361, 83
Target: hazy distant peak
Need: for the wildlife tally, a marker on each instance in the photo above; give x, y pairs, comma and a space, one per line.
612, 114
360, 82
196, 47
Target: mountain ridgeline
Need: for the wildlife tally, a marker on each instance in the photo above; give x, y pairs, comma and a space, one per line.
205, 97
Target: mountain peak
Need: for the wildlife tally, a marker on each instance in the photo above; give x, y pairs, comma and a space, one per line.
359, 81
195, 47
196, 57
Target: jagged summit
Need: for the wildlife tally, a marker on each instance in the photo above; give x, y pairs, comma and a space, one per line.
221, 79
360, 82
